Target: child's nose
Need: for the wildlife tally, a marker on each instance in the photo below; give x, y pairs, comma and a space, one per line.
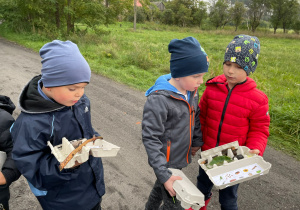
200, 81
230, 70
79, 93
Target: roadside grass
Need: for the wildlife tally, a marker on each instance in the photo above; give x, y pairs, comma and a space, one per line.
138, 58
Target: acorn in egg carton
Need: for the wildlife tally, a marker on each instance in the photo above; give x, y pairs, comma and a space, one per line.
79, 150
231, 164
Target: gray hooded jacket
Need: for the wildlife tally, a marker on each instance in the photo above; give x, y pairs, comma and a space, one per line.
170, 127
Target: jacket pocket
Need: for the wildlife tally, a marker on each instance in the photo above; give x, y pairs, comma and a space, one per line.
168, 150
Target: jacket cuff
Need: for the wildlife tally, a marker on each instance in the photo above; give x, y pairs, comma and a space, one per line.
10, 176
164, 176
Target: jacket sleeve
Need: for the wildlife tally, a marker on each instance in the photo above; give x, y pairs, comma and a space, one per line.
203, 112
259, 127
197, 138
154, 117
32, 155
9, 170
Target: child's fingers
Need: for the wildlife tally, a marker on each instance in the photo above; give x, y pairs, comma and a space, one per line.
177, 178
254, 151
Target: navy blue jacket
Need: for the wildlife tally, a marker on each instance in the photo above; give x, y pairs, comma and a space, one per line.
40, 121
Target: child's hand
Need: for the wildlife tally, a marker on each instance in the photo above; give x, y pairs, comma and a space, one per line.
169, 184
194, 150
2, 179
255, 151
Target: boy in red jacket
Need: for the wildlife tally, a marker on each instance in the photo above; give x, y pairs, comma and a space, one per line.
233, 109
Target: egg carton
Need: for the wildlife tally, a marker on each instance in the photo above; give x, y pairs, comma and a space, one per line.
186, 192
98, 148
2, 159
242, 166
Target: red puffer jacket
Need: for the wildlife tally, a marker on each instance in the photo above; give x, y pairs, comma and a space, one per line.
240, 114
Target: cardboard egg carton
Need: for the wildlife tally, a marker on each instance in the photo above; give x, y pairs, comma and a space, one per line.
2, 159
187, 192
98, 148
241, 167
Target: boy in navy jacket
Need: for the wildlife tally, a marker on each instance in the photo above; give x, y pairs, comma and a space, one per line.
54, 106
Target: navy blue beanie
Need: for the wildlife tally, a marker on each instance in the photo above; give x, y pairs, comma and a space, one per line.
244, 51
63, 64
187, 57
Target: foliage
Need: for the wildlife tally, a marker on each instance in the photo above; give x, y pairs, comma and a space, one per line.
184, 15
168, 17
256, 10
237, 14
290, 9
139, 58
56, 15
200, 14
219, 14
141, 15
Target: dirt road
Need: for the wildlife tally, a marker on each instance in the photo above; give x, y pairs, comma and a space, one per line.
117, 113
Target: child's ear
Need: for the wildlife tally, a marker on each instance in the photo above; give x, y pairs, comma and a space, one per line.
177, 79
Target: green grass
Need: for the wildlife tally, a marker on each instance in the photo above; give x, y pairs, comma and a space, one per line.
138, 58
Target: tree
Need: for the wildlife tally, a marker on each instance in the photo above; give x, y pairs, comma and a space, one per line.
277, 13
183, 10
290, 10
184, 15
134, 15
256, 10
237, 14
57, 15
219, 14
168, 17
296, 23
200, 14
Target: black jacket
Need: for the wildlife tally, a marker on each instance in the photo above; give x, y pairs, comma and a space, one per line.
9, 169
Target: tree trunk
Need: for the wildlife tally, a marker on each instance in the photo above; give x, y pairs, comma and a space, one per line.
69, 25
134, 15
57, 16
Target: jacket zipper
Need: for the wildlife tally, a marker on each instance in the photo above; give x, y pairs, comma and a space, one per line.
191, 113
168, 150
223, 115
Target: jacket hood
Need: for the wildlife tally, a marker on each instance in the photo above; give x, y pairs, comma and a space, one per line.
243, 86
7, 104
162, 83
31, 101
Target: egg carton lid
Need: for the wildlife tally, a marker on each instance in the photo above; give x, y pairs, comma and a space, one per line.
187, 192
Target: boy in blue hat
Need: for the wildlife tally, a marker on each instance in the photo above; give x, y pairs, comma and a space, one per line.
54, 106
171, 132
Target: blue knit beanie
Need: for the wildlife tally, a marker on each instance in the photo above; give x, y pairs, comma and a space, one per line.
63, 64
187, 57
244, 51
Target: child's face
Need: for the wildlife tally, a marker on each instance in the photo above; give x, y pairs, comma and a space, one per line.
234, 73
67, 95
190, 83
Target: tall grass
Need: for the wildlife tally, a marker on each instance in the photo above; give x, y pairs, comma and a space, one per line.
137, 58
